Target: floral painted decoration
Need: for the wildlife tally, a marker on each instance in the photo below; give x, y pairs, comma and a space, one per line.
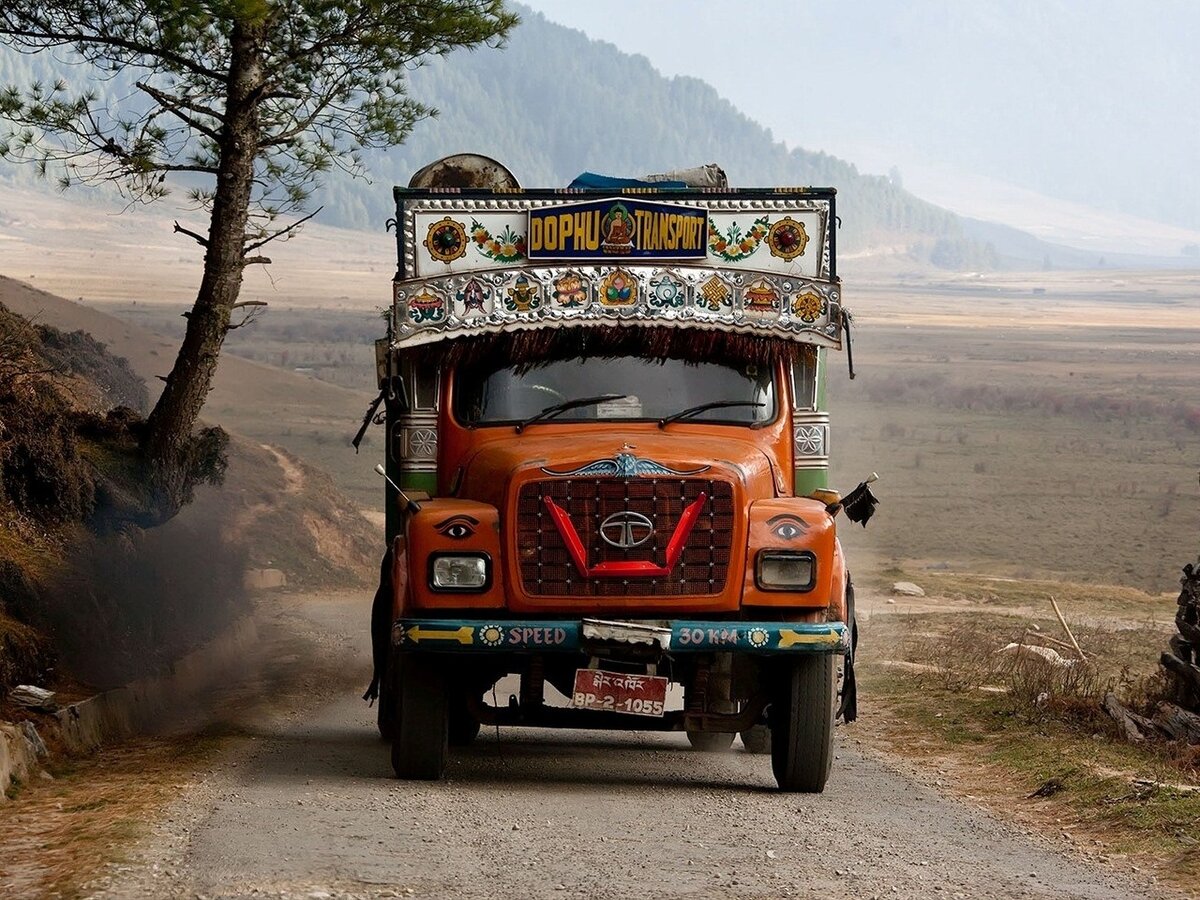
570, 291
732, 245
506, 247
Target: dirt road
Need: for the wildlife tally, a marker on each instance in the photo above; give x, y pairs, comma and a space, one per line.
305, 806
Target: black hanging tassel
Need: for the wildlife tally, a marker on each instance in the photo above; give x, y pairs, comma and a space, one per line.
859, 505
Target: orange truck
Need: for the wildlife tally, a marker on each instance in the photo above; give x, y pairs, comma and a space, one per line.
607, 452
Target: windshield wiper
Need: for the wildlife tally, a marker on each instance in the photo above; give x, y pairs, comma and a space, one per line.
704, 407
551, 411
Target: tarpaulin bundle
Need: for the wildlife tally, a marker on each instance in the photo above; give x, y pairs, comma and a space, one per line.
592, 182
709, 176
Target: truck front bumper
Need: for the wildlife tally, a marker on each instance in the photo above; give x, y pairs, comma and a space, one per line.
584, 635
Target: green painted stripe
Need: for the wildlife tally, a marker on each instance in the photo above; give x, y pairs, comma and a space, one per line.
408, 481
808, 480
419, 481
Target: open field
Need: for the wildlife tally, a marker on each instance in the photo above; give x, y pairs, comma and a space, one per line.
1026, 452
78, 248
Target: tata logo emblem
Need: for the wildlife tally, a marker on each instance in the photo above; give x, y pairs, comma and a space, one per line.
626, 530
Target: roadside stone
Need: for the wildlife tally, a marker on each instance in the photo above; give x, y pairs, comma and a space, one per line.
33, 697
36, 744
264, 579
908, 589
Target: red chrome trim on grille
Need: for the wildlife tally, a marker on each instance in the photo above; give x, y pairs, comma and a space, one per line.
683, 531
623, 568
569, 535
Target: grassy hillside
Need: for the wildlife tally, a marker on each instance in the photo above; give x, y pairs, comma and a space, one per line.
85, 588
310, 418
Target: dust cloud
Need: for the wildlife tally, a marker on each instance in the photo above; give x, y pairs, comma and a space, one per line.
128, 604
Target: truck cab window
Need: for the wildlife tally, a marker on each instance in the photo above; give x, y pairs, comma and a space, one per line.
651, 391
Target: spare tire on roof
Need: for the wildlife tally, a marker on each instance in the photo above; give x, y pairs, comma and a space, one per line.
465, 170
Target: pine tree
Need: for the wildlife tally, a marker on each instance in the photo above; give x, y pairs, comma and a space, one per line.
259, 98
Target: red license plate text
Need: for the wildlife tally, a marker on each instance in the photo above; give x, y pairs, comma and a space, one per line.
635, 695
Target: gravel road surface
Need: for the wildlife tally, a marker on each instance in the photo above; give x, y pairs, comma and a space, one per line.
305, 806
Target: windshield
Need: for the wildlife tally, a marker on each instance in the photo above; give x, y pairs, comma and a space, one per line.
652, 391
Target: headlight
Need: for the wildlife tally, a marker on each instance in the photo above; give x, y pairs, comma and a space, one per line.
462, 572
785, 570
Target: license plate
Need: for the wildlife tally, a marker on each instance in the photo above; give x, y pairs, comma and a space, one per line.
634, 695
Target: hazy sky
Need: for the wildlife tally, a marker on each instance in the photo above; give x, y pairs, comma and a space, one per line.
1096, 101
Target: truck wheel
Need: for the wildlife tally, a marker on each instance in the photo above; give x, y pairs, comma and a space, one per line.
757, 739
420, 746
802, 724
711, 741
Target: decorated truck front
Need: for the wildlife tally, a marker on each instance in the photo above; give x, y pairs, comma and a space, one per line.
606, 455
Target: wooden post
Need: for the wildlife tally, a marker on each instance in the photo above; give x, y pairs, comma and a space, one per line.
1066, 627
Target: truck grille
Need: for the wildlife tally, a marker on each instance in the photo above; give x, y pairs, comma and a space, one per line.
547, 568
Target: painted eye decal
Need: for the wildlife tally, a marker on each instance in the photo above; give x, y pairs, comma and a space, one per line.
457, 527
787, 526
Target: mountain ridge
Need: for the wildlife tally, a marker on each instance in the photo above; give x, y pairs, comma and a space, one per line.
555, 103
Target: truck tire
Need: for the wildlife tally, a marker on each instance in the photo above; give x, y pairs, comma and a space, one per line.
711, 741
802, 723
757, 739
420, 746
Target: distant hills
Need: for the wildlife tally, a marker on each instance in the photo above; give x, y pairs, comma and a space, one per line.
555, 103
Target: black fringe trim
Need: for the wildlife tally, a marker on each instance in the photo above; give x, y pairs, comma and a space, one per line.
528, 349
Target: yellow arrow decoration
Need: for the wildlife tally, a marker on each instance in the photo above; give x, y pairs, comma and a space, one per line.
789, 638
464, 635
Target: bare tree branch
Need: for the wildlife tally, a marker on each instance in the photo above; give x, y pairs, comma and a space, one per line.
251, 316
201, 240
282, 232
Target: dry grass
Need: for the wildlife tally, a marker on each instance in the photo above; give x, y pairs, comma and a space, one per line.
1028, 737
59, 834
25, 654
1029, 596
1065, 690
